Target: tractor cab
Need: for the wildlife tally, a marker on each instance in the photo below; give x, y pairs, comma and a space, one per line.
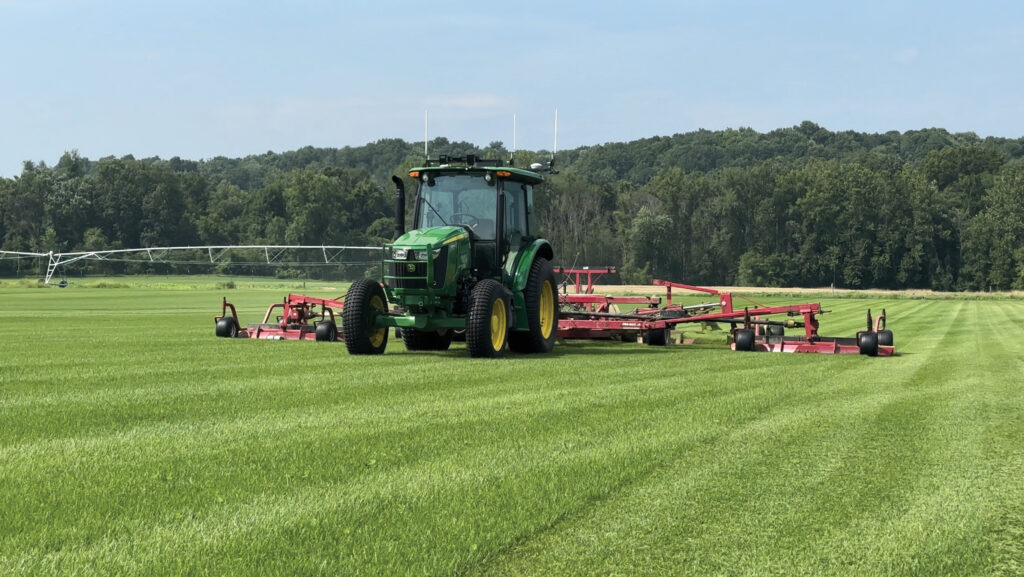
492, 203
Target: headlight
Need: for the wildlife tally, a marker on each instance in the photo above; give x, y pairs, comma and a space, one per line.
399, 253
419, 255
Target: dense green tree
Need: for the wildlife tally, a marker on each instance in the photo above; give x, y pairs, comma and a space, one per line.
795, 206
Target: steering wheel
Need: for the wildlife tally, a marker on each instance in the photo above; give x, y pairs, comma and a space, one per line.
465, 219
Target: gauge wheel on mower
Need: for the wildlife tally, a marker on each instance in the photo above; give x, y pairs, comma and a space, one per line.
364, 301
656, 337
744, 339
226, 327
487, 325
885, 338
417, 340
325, 331
867, 342
541, 298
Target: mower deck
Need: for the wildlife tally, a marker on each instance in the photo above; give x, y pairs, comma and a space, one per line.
585, 315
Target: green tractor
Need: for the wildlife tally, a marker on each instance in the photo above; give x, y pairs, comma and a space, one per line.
474, 265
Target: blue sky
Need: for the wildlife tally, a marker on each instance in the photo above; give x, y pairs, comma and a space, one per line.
199, 79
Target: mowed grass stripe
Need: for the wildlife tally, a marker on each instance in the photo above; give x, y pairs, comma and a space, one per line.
533, 439
598, 459
133, 449
1003, 430
862, 487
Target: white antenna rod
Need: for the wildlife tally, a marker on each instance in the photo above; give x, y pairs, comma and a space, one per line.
425, 155
513, 134
556, 134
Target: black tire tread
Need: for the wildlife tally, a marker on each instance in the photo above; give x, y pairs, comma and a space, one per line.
478, 324
356, 316
226, 327
744, 339
531, 341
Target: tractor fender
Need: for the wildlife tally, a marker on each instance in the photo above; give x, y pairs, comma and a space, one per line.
524, 260
520, 273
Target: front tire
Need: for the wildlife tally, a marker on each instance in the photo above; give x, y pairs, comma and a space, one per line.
487, 325
541, 299
364, 302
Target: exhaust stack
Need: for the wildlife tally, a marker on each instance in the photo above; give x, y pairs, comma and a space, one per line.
399, 205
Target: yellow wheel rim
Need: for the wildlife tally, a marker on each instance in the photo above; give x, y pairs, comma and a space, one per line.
377, 335
547, 309
499, 324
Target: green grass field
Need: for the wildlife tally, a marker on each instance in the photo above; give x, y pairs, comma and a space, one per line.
134, 442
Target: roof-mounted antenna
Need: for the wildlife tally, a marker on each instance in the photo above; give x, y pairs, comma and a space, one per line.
425, 155
512, 159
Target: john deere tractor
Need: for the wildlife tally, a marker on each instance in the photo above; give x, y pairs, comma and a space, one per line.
474, 264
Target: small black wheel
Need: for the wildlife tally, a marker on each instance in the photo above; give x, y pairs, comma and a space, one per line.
885, 338
326, 332
744, 339
227, 328
364, 302
776, 330
541, 299
867, 342
487, 325
656, 337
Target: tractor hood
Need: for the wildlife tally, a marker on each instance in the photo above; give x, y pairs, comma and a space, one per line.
432, 237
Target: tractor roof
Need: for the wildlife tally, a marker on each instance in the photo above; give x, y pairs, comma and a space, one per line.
472, 164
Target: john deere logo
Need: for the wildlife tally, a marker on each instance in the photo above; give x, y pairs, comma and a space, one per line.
410, 267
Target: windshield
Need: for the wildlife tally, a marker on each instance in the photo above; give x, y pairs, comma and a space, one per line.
460, 199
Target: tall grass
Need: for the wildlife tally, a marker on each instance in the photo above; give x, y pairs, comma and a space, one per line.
132, 441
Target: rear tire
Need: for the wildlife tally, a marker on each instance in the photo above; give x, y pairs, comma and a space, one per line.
541, 299
868, 344
227, 328
744, 339
364, 302
487, 325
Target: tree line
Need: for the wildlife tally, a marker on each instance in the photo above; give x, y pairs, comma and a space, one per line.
799, 206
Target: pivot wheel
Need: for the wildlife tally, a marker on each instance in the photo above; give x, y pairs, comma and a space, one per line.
487, 326
326, 331
364, 302
226, 327
744, 339
867, 342
417, 340
656, 337
541, 311
885, 338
